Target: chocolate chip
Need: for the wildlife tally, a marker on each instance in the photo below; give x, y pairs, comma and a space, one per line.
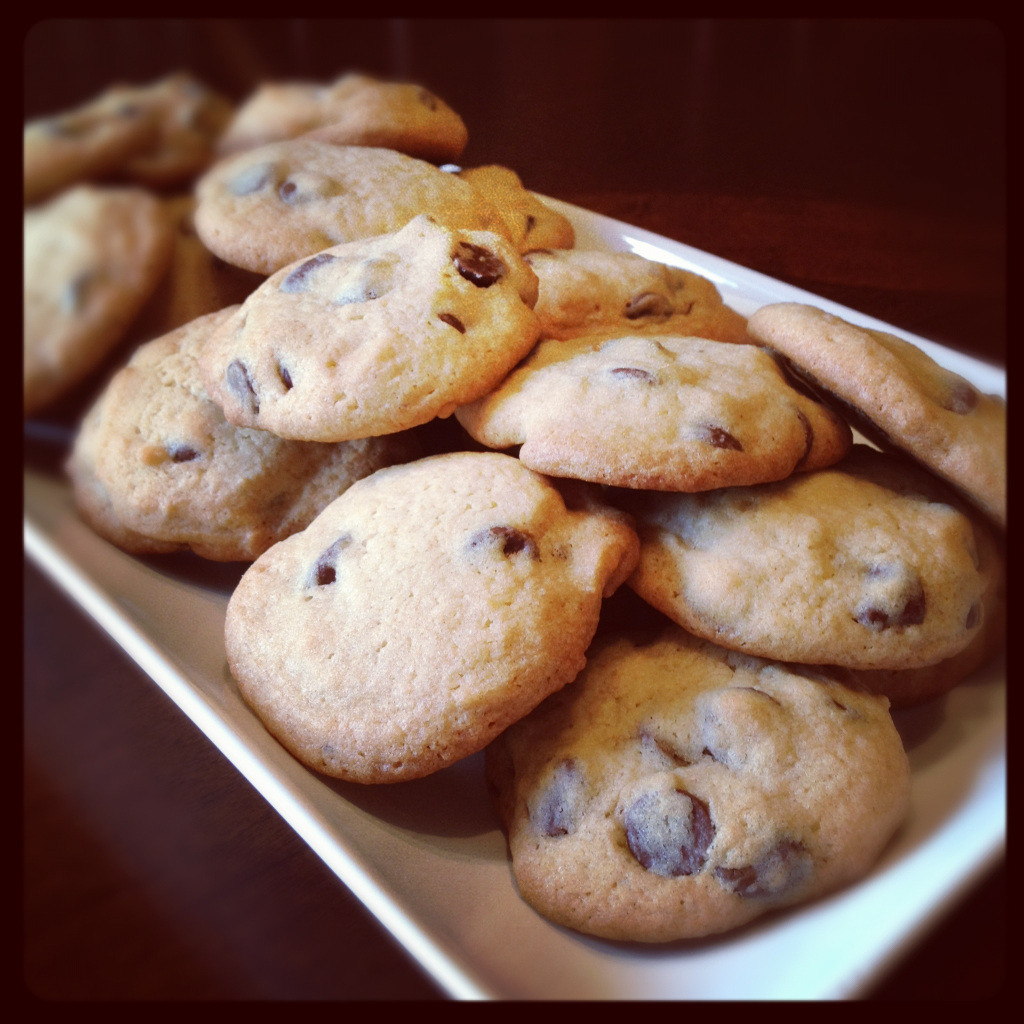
286, 377
962, 398
238, 382
453, 321
251, 179
896, 598
633, 373
325, 568
478, 265
973, 616
557, 811
808, 437
669, 832
648, 304
182, 452
719, 438
73, 294
783, 867
507, 539
298, 279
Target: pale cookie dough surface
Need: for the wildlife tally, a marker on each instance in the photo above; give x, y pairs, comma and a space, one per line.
656, 412
190, 118
155, 467
676, 790
420, 614
267, 207
900, 396
870, 564
84, 144
584, 291
375, 336
532, 224
93, 256
354, 110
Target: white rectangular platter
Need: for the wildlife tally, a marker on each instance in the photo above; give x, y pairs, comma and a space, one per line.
428, 858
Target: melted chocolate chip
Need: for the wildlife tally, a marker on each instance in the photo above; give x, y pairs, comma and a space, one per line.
633, 373
453, 321
962, 399
478, 265
288, 191
719, 438
782, 868
325, 568
531, 222
182, 452
286, 377
298, 279
893, 604
238, 382
669, 832
648, 304
556, 813
506, 539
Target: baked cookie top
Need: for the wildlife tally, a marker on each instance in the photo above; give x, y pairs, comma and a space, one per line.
190, 118
375, 336
93, 256
267, 207
421, 613
656, 412
678, 790
84, 144
898, 396
532, 223
156, 467
354, 110
583, 291
869, 564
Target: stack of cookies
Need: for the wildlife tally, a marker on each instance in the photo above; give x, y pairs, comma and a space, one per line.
668, 567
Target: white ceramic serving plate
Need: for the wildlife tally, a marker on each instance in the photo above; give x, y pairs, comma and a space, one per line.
428, 858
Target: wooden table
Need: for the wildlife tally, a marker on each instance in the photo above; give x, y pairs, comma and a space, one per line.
236, 906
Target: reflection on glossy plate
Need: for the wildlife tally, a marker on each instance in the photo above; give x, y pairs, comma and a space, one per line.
428, 857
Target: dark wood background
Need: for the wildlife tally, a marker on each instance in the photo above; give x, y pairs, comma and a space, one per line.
862, 160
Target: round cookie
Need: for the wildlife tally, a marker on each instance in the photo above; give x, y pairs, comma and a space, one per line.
531, 223
92, 258
898, 396
86, 143
267, 207
677, 790
870, 564
421, 613
156, 468
375, 336
354, 110
586, 291
190, 118
656, 412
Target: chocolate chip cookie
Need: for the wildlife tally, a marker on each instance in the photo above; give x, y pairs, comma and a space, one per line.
656, 412
898, 396
421, 613
375, 336
678, 790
